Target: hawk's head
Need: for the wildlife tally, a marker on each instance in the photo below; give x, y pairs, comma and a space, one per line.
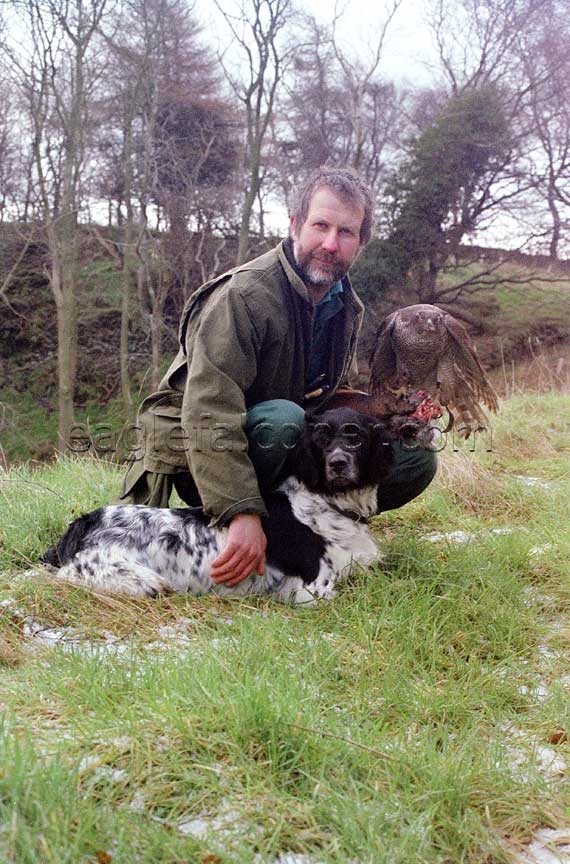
424, 319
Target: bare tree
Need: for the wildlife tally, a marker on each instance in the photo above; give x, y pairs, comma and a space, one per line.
8, 154
56, 78
172, 143
548, 51
503, 44
339, 109
478, 40
257, 28
363, 90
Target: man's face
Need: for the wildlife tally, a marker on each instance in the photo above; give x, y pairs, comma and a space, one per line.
328, 242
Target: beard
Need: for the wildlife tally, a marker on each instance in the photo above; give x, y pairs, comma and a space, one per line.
318, 269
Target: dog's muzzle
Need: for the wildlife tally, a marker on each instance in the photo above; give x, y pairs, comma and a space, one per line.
341, 469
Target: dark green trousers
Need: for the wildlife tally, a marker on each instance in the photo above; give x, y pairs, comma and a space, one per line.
272, 428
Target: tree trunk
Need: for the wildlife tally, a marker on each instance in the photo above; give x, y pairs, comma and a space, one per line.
155, 333
556, 223
426, 275
64, 295
126, 392
126, 281
244, 228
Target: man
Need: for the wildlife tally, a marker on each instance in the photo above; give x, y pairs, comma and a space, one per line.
258, 345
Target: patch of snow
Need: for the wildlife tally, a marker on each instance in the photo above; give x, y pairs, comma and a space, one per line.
109, 774
463, 536
66, 636
33, 573
138, 804
450, 537
173, 637
226, 822
200, 827
548, 654
120, 742
539, 692
537, 551
89, 762
533, 482
547, 760
96, 763
549, 846
289, 858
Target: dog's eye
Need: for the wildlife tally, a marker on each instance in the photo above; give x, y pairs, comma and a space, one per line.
322, 435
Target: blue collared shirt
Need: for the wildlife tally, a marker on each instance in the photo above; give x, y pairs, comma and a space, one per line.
327, 307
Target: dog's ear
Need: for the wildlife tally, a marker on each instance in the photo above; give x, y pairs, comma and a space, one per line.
380, 451
303, 458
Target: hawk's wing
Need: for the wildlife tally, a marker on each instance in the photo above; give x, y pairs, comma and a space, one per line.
464, 358
463, 384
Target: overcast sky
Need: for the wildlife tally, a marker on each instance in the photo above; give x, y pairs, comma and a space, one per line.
408, 48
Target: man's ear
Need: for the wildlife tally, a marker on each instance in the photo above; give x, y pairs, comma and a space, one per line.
359, 252
380, 452
292, 226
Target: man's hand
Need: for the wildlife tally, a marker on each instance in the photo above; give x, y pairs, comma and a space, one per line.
244, 552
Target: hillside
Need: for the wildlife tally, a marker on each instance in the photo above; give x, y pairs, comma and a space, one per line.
521, 327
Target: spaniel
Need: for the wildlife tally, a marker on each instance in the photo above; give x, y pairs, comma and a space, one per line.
317, 526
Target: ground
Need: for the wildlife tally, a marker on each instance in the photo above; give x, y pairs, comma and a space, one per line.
422, 716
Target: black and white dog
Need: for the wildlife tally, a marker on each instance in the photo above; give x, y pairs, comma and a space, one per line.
316, 527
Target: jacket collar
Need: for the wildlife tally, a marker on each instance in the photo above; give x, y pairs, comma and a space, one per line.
285, 253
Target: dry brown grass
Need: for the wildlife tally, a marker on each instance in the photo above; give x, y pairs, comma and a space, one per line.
102, 616
545, 370
11, 646
471, 484
529, 436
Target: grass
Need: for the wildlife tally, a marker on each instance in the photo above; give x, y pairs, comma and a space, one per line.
29, 427
417, 718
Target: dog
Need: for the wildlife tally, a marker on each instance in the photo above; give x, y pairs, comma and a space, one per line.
316, 527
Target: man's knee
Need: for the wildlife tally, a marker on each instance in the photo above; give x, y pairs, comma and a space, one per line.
276, 412
273, 429
275, 425
411, 474
420, 465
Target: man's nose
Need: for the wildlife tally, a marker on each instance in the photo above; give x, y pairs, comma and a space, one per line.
330, 241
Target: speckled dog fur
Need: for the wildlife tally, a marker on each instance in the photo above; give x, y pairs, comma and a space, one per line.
316, 527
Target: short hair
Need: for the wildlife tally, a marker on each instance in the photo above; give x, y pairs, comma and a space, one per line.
345, 183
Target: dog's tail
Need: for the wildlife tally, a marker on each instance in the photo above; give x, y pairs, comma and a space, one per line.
73, 540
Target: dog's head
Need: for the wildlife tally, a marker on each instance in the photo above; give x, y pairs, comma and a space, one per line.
342, 449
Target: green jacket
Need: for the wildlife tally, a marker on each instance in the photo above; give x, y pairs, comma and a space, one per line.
244, 338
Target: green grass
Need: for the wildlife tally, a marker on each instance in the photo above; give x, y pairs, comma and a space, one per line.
28, 428
407, 721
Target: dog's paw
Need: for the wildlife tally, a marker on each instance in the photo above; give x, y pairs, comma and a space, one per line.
311, 595
321, 589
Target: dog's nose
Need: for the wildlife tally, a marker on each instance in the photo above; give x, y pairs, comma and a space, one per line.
338, 461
